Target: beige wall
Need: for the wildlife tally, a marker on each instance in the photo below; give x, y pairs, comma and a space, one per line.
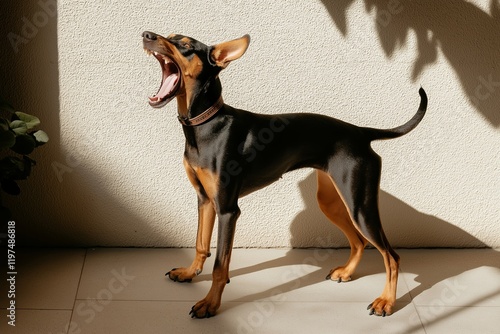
112, 173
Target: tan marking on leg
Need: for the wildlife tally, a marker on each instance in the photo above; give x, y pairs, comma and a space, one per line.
208, 306
384, 304
206, 220
209, 181
332, 205
220, 276
191, 175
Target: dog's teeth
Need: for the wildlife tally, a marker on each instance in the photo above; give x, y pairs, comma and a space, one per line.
167, 61
156, 53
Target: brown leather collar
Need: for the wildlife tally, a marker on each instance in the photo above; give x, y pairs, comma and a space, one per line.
204, 116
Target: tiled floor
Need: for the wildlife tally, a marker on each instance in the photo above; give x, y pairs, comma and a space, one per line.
271, 291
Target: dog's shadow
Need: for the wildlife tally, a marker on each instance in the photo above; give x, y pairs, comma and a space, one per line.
465, 34
404, 226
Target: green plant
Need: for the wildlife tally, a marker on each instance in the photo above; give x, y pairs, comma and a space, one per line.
17, 135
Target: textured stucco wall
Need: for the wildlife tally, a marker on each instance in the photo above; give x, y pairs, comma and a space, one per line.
112, 173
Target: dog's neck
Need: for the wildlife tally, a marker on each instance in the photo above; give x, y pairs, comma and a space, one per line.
201, 99
207, 97
204, 116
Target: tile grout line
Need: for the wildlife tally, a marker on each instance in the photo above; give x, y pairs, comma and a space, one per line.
406, 280
412, 298
422, 325
77, 289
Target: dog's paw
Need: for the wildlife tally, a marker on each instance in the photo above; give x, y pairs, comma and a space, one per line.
203, 309
381, 307
340, 274
182, 274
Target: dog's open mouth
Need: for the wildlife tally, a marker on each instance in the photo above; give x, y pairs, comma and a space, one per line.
170, 81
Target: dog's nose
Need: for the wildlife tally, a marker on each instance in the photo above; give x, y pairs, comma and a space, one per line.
149, 35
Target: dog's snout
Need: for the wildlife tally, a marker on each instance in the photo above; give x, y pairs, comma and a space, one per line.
149, 35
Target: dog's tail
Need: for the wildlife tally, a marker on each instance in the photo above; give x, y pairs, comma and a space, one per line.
375, 134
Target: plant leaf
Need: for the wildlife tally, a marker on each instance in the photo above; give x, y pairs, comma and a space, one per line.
26, 169
15, 169
30, 120
10, 187
19, 127
4, 125
6, 106
25, 144
41, 137
7, 139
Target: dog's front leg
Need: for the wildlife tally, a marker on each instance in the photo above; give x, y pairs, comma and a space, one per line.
208, 306
206, 219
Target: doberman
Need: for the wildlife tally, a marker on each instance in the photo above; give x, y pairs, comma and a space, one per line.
230, 153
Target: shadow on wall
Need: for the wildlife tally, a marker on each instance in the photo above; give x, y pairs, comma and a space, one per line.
30, 82
465, 34
61, 192
29, 64
403, 225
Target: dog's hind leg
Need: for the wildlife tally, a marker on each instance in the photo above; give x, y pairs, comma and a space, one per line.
357, 177
334, 208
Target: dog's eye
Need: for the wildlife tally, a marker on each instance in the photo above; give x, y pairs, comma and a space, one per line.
186, 45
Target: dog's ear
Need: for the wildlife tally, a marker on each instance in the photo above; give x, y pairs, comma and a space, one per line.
224, 53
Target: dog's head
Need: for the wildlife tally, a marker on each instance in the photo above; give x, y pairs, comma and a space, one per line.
188, 65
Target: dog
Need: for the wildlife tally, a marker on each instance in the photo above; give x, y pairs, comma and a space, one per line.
230, 153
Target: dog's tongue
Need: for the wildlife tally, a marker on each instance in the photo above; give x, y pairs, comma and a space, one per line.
167, 86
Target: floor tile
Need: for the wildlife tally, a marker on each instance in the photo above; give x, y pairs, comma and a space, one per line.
137, 274
448, 277
460, 320
299, 275
37, 322
46, 278
121, 290
256, 317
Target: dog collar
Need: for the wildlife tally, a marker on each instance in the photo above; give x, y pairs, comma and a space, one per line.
204, 116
